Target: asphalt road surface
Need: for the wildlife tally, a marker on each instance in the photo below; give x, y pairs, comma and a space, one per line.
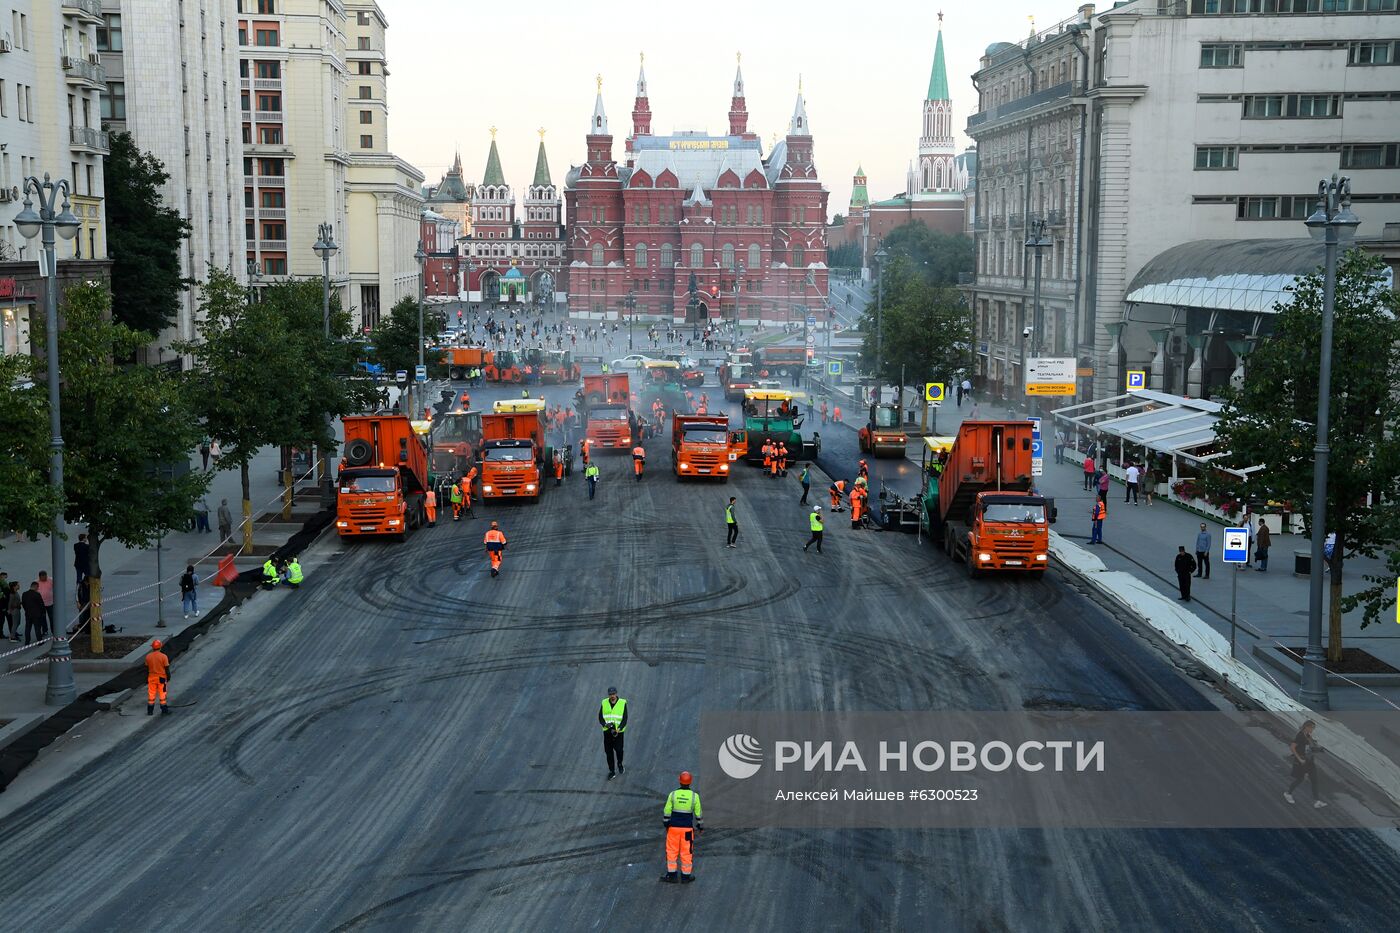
406, 743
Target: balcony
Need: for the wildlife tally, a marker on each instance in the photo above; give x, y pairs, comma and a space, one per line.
272, 246
272, 181
92, 9
248, 181
267, 116
980, 225
1055, 218
267, 84
1016, 221
84, 71
998, 223
85, 137
272, 213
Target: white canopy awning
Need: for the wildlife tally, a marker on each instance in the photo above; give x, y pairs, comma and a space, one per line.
1169, 424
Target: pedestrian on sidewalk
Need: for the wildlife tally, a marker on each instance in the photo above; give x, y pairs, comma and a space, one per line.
1098, 511
82, 559
46, 594
1261, 547
215, 452
1203, 552
1089, 471
966, 390
1147, 482
1103, 483
34, 613
14, 608
1185, 566
1060, 442
806, 480
201, 515
204, 452
730, 525
1130, 487
189, 592
225, 521
1303, 758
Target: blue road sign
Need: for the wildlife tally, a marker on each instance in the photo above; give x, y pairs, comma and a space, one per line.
811, 320
1236, 550
1137, 379
1037, 448
833, 368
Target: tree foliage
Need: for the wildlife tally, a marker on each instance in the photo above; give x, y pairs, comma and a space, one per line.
396, 338
1270, 421
144, 237
845, 256
927, 328
27, 504
938, 258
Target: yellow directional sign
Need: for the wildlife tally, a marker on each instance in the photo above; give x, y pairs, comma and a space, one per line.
1051, 388
933, 391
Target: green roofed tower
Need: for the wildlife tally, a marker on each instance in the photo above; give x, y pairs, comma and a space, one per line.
936, 168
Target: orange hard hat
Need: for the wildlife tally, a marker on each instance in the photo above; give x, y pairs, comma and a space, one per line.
155, 645
685, 779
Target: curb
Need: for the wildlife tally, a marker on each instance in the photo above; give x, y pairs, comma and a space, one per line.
1188, 633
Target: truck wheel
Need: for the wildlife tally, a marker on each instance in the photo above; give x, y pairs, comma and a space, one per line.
454, 373
948, 547
971, 567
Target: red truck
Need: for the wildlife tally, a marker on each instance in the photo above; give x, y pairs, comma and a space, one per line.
981, 502
383, 477
456, 441
780, 362
462, 360
702, 446
514, 454
603, 403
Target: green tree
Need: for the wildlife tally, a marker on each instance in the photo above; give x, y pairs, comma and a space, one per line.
927, 329
250, 384
144, 237
396, 338
938, 258
845, 256
127, 432
1270, 422
27, 504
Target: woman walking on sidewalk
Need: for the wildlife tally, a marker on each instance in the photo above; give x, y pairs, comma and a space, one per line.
1089, 471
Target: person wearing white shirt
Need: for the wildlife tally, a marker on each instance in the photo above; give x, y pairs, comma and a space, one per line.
1131, 478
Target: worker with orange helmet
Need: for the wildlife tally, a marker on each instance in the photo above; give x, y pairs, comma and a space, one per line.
466, 486
157, 677
682, 818
639, 461
837, 489
495, 542
862, 469
782, 458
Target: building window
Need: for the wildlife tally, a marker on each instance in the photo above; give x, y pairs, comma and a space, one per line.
1285, 7
597, 254
364, 68
274, 231
799, 257
270, 103
114, 101
109, 34
1292, 106
270, 135
362, 18
640, 260
366, 92
274, 265
267, 7
272, 69
1280, 207
667, 256
755, 256
1371, 53
366, 142
1220, 54
363, 43
366, 117
1216, 157
267, 38
273, 198
697, 256
272, 167
1371, 155
727, 255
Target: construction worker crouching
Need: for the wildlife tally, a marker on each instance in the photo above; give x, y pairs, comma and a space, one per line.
612, 716
837, 489
682, 818
271, 577
294, 574
639, 461
157, 679
495, 542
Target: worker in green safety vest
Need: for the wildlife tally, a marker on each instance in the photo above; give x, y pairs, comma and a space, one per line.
612, 716
270, 575
294, 574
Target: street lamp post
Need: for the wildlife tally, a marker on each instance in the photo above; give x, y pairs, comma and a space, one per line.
1037, 241
53, 223
325, 247
630, 303
421, 258
881, 255
1334, 223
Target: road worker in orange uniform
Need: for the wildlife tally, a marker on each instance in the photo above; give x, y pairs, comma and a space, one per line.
430, 506
495, 542
836, 414
558, 466
466, 401
776, 464
639, 461
857, 506
157, 677
837, 489
863, 469
682, 817
466, 486
782, 458
583, 446
768, 457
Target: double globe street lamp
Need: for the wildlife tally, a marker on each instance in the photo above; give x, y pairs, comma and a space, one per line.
52, 223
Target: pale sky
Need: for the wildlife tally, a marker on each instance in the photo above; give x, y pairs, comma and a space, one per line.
457, 68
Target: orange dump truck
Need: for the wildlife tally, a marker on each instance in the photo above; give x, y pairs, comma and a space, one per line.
513, 454
988, 513
383, 477
702, 446
604, 405
462, 360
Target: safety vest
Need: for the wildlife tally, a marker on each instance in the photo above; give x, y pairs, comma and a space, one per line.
456, 495
592, 472
431, 499
682, 807
612, 715
839, 486
639, 453
495, 540
816, 521
729, 515
269, 570
805, 479
294, 572
1100, 511
782, 451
